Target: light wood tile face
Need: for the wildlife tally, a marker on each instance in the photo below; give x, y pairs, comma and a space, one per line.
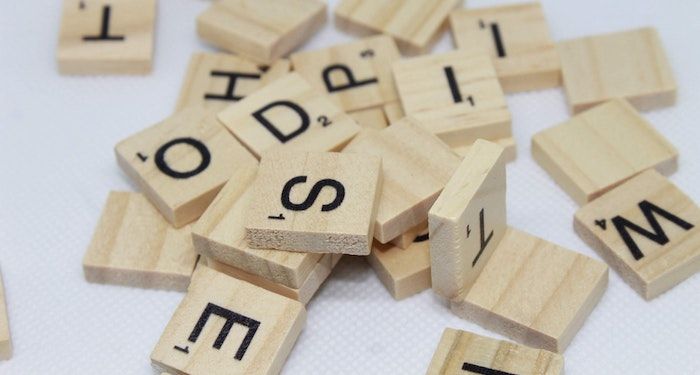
461, 352
601, 148
647, 230
394, 112
227, 326
454, 95
320, 272
630, 65
134, 245
510, 149
404, 272
356, 75
106, 37
534, 292
261, 30
216, 80
414, 24
315, 202
468, 220
289, 114
5, 339
220, 235
182, 162
415, 165
371, 118
516, 37
405, 240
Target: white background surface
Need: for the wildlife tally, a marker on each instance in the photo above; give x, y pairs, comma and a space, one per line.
57, 166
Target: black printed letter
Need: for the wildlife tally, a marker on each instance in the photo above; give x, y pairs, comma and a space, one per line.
305, 121
199, 146
348, 74
232, 78
104, 30
315, 191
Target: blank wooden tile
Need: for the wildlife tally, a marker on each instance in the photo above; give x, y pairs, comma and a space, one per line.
468, 220
629, 64
182, 162
106, 37
404, 272
414, 24
5, 339
371, 118
216, 80
416, 165
134, 245
406, 239
320, 272
393, 112
228, 326
534, 292
315, 202
516, 37
646, 229
461, 352
261, 30
601, 148
289, 114
356, 75
510, 149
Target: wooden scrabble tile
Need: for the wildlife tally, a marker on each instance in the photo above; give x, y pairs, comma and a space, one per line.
516, 37
393, 112
134, 245
646, 229
182, 162
414, 24
510, 149
461, 352
468, 220
289, 114
303, 294
458, 128
261, 30
630, 65
404, 272
220, 236
106, 37
416, 165
356, 75
534, 292
228, 326
454, 79
215, 80
372, 118
315, 202
601, 148
5, 339
406, 239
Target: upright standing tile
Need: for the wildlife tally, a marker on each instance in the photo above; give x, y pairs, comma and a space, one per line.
646, 229
134, 245
215, 80
534, 292
315, 202
289, 114
371, 118
414, 24
630, 65
106, 37
356, 75
601, 148
461, 352
454, 95
394, 112
261, 30
220, 236
468, 220
510, 152
517, 38
182, 162
303, 293
5, 339
416, 165
227, 326
404, 272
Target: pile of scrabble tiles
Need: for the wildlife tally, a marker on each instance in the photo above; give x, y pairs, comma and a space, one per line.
276, 163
